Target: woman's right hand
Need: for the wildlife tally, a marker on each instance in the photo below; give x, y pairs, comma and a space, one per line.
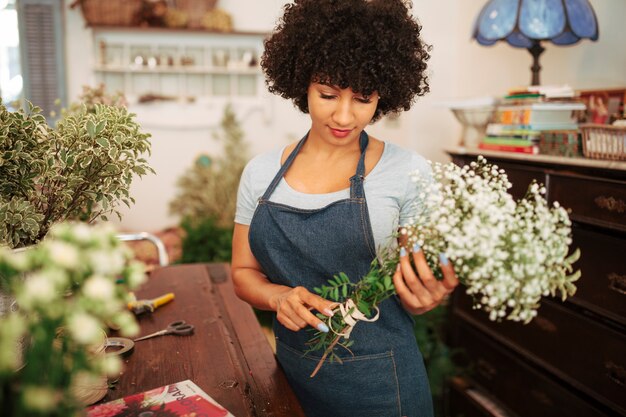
293, 309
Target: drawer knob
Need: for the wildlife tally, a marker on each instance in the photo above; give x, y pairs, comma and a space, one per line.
616, 373
617, 283
610, 204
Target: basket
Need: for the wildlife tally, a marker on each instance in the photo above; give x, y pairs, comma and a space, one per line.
604, 141
129, 13
196, 9
565, 143
109, 12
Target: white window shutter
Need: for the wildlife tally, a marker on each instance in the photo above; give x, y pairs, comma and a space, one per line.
43, 55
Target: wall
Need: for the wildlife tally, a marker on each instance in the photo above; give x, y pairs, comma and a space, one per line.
458, 67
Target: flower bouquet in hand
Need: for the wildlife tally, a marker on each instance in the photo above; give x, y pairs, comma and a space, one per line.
507, 253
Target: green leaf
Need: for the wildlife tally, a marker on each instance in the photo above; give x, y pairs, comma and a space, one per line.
363, 307
91, 129
100, 126
387, 282
85, 162
103, 142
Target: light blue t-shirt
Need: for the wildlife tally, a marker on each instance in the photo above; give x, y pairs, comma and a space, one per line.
392, 197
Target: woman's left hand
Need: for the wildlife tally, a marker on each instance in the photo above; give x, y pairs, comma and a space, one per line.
418, 289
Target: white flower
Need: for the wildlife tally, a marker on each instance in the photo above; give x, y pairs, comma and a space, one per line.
17, 260
84, 328
127, 323
63, 254
99, 288
507, 253
82, 233
40, 398
12, 327
111, 365
136, 274
38, 289
106, 262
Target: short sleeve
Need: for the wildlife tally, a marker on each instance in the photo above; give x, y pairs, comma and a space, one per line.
412, 203
246, 200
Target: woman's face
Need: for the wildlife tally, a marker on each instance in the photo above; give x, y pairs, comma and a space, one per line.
339, 115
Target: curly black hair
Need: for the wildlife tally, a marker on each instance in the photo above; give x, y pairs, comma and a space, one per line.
367, 45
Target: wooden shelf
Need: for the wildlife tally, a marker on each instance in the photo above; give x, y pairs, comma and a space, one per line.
160, 30
200, 63
180, 70
546, 159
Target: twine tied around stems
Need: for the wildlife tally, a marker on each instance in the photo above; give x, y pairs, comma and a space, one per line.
351, 315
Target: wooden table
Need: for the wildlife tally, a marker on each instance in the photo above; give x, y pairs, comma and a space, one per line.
228, 356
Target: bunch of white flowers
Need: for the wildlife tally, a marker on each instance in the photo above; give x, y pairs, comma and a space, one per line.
508, 254
69, 288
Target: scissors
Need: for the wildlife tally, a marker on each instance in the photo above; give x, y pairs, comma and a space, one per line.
177, 328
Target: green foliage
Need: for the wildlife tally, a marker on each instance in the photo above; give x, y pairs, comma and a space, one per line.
429, 332
209, 188
80, 169
375, 287
206, 241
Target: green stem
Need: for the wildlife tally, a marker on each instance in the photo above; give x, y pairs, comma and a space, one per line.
327, 352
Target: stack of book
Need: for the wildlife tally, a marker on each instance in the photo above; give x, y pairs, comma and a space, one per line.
525, 117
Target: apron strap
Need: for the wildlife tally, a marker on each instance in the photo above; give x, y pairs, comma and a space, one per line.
356, 181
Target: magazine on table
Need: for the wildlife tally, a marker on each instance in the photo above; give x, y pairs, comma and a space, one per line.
182, 399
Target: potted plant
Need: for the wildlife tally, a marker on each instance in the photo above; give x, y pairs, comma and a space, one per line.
69, 287
81, 168
73, 279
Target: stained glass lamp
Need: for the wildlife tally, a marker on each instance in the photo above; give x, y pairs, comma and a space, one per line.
527, 23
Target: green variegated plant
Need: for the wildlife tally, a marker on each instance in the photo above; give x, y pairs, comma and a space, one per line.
81, 168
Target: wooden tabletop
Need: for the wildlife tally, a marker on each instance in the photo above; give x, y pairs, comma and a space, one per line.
228, 355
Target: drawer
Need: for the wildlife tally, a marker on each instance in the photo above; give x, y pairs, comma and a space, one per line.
602, 285
503, 375
521, 177
592, 200
584, 353
467, 401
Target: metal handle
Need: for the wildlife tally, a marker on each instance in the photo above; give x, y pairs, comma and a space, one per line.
616, 373
617, 283
162, 253
610, 204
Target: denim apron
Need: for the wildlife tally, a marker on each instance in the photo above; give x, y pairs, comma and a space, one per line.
384, 375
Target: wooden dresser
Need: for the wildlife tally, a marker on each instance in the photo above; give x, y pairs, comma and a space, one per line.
570, 360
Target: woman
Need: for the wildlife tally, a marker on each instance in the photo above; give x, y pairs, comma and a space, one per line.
323, 205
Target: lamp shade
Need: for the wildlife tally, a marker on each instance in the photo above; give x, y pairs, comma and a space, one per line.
519, 22
526, 23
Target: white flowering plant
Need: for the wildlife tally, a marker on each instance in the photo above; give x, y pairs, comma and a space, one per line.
68, 289
508, 254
